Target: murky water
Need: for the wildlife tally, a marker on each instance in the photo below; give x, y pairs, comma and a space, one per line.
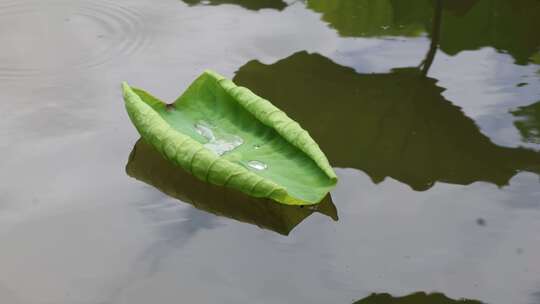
429, 111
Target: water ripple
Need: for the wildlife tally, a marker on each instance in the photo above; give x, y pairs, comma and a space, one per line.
59, 36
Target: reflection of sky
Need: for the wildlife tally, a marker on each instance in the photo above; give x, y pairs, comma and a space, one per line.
174, 226
75, 228
436, 231
488, 90
421, 241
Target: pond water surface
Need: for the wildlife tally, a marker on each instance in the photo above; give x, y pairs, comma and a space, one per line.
429, 112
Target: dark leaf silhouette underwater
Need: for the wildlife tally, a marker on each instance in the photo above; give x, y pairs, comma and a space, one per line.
394, 124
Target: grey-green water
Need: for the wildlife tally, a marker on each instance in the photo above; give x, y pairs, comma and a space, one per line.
428, 110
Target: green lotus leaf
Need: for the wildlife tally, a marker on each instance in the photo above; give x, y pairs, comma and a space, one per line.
149, 166
227, 135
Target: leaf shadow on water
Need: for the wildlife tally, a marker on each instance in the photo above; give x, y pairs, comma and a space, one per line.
507, 26
394, 124
254, 5
147, 165
415, 298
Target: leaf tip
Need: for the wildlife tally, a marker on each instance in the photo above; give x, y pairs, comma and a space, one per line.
125, 86
126, 90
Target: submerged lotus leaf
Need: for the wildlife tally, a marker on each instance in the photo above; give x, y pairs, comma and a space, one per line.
218, 132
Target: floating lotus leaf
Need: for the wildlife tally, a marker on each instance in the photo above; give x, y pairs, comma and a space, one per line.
149, 166
227, 135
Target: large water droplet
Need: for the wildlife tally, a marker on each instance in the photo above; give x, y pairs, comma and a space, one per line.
219, 141
257, 165
205, 129
222, 146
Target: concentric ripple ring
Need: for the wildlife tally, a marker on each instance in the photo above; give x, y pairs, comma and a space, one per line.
47, 38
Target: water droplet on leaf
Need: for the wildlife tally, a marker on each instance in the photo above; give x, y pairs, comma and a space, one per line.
219, 141
257, 165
